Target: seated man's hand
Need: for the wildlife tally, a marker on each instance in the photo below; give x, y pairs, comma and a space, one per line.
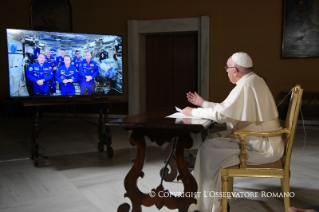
187, 111
195, 99
187, 121
70, 80
65, 81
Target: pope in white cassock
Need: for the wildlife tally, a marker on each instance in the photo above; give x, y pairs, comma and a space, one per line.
249, 106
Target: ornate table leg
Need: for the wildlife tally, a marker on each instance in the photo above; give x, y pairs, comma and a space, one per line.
35, 137
189, 182
169, 177
155, 197
130, 181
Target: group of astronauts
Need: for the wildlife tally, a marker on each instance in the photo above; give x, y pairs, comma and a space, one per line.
66, 71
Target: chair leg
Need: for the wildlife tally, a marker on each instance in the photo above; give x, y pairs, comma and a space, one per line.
231, 185
224, 189
286, 190
282, 184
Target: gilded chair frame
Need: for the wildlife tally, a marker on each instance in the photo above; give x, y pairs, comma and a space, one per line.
279, 169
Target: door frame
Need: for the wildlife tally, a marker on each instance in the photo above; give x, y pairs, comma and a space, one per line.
138, 29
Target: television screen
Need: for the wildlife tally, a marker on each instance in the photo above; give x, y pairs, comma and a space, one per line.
44, 63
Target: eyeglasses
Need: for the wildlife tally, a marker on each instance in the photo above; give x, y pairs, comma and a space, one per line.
226, 67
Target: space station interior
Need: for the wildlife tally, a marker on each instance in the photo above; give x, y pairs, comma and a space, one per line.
24, 46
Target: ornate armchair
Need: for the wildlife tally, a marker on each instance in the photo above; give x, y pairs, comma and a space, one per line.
279, 169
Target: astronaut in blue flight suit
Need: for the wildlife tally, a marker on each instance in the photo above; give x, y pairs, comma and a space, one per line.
51, 61
88, 71
40, 74
77, 60
66, 76
60, 60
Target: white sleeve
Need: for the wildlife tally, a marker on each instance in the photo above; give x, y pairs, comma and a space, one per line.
207, 104
209, 113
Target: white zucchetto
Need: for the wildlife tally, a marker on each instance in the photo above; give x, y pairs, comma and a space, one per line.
242, 59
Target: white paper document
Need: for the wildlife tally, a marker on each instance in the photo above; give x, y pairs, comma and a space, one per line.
179, 115
178, 109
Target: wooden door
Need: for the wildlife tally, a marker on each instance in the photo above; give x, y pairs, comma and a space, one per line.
171, 69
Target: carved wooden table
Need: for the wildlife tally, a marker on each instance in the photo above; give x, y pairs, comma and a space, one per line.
159, 129
104, 133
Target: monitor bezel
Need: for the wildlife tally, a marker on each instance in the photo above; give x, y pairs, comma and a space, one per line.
66, 97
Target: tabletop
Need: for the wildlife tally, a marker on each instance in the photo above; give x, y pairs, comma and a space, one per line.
155, 119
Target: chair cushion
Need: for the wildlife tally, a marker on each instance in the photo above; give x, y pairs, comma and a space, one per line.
275, 165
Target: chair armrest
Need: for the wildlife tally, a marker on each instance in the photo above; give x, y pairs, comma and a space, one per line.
242, 135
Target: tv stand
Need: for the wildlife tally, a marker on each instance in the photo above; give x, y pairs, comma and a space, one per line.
104, 132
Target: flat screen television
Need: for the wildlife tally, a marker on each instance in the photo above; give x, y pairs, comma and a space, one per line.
50, 64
